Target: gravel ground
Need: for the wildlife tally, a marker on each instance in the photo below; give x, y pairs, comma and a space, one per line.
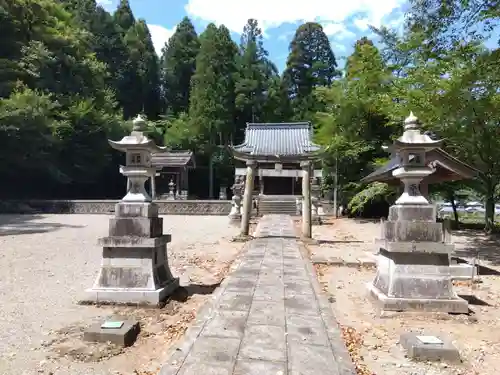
47, 261
374, 337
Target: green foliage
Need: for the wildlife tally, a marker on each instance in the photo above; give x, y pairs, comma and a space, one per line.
212, 94
374, 193
310, 64
71, 73
178, 64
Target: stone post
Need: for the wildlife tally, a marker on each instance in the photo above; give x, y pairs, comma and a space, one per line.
235, 214
306, 199
298, 205
184, 195
171, 190
222, 193
153, 186
134, 267
247, 198
315, 203
413, 270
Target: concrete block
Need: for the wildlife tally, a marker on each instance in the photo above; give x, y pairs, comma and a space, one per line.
124, 336
429, 348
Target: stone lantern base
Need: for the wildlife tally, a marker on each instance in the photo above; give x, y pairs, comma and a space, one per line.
413, 272
134, 266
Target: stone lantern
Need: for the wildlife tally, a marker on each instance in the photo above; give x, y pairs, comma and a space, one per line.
134, 267
413, 271
138, 169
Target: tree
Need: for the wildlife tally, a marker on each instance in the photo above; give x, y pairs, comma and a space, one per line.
353, 126
178, 64
310, 64
453, 88
212, 107
61, 97
123, 16
212, 94
256, 74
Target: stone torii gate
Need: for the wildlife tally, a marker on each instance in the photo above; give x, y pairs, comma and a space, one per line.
284, 144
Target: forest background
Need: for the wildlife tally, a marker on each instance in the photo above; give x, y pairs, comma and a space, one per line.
73, 75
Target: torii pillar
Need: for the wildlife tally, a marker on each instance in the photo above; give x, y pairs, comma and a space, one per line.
247, 198
306, 199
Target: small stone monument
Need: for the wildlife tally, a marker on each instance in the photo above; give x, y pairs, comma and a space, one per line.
171, 190
413, 272
298, 205
235, 214
222, 193
134, 267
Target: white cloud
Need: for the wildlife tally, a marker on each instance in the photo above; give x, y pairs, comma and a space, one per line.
362, 23
106, 4
270, 14
337, 30
160, 36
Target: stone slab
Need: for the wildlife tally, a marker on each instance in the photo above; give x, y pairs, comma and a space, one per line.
416, 247
124, 336
412, 231
267, 317
139, 297
412, 212
422, 351
458, 305
134, 241
136, 209
136, 226
463, 271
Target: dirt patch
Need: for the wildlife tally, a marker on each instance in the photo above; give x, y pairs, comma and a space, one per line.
160, 327
372, 336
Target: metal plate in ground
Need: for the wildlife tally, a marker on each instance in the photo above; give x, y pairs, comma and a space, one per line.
430, 340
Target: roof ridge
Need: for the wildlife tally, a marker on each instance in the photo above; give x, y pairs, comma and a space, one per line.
277, 124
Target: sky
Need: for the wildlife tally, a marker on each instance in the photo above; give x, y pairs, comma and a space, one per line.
344, 21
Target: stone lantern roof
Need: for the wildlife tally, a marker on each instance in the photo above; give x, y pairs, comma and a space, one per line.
412, 136
137, 139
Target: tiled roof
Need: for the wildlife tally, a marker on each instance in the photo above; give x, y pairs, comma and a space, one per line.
283, 139
438, 154
172, 158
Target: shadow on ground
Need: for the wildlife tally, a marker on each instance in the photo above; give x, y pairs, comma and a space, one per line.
183, 293
481, 246
13, 224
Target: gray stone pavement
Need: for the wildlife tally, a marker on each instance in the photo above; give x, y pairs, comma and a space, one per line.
268, 317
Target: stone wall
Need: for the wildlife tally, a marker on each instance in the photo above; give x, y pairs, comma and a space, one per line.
179, 207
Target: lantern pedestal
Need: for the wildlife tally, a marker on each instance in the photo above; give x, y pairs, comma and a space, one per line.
134, 266
413, 270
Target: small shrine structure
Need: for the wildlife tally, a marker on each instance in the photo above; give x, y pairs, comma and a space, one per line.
172, 171
413, 270
283, 155
445, 166
134, 266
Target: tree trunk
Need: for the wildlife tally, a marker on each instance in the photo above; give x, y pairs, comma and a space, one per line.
489, 214
451, 197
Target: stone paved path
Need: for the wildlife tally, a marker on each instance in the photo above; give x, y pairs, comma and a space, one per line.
267, 318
